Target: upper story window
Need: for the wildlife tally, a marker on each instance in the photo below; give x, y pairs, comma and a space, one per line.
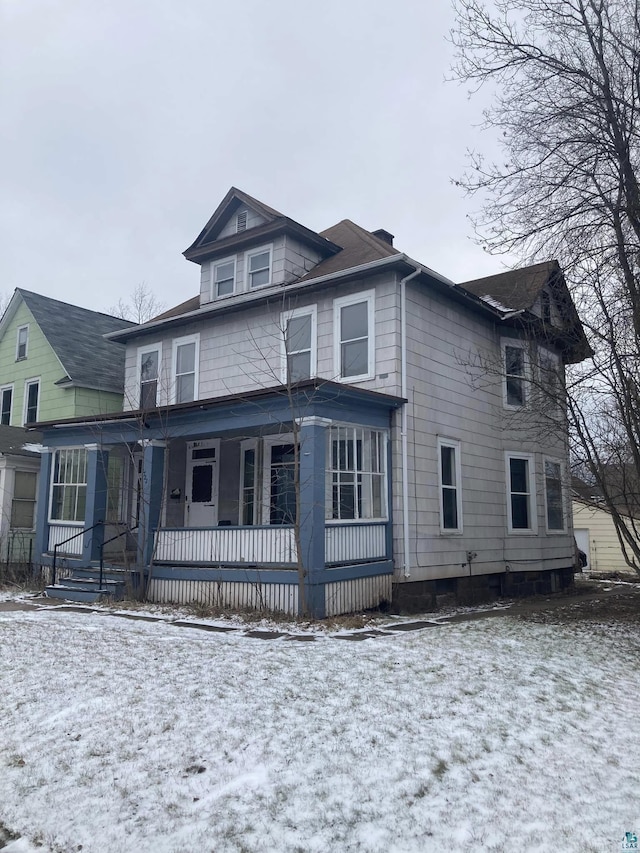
22, 343
6, 402
550, 379
31, 400
553, 496
258, 265
185, 369
515, 374
354, 336
300, 348
521, 495
149, 359
450, 486
357, 473
223, 277
69, 485
545, 307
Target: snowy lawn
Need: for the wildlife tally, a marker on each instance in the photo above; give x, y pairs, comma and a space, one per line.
497, 735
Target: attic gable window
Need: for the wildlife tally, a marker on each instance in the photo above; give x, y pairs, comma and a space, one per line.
22, 343
241, 221
258, 263
545, 307
223, 276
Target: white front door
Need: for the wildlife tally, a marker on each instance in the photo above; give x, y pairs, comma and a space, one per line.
201, 494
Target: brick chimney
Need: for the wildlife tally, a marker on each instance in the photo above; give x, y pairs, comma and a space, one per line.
383, 235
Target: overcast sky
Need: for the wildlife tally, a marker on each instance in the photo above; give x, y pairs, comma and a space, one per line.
125, 122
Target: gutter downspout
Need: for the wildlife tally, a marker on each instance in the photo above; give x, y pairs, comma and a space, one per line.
404, 420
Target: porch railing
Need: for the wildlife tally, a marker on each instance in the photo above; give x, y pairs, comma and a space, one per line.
345, 543
255, 545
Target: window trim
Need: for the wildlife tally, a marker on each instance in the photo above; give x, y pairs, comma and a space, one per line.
33, 501
53, 483
367, 296
530, 458
142, 351
455, 444
268, 443
259, 250
8, 387
515, 343
214, 295
285, 317
19, 357
178, 342
555, 531
384, 475
35, 380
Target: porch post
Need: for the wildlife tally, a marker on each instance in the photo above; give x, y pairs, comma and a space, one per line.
96, 503
313, 442
42, 506
152, 494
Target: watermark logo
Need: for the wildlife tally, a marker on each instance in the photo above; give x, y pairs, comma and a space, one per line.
630, 841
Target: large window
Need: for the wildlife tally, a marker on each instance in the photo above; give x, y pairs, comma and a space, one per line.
185, 369
223, 277
31, 400
553, 496
521, 503
258, 263
149, 371
69, 485
22, 343
299, 329
357, 474
24, 500
6, 401
450, 486
353, 334
248, 481
515, 375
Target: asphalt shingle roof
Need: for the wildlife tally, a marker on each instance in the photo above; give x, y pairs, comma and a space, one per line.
13, 440
75, 334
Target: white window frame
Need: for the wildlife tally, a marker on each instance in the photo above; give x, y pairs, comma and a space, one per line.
218, 263
249, 444
178, 342
531, 480
35, 380
516, 343
365, 474
247, 258
31, 501
455, 446
24, 328
8, 387
268, 443
285, 317
367, 296
142, 351
75, 484
556, 531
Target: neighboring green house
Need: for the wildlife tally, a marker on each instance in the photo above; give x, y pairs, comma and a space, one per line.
54, 363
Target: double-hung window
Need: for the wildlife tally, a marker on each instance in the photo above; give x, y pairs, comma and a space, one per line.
550, 379
24, 500
515, 375
521, 496
185, 369
6, 401
223, 277
450, 486
553, 496
356, 478
258, 264
69, 485
149, 359
299, 332
22, 343
31, 400
354, 336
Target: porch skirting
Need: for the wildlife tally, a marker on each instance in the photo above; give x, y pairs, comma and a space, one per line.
234, 595
349, 596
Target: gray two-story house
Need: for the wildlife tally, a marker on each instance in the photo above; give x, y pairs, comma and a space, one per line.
327, 425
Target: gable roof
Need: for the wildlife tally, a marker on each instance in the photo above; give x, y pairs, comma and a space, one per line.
357, 246
76, 336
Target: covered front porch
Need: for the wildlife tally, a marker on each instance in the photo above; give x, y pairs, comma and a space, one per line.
279, 500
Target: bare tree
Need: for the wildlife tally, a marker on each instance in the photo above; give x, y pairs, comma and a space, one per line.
567, 99
141, 306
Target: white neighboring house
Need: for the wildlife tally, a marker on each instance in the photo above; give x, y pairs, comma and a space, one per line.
335, 363
596, 536
19, 470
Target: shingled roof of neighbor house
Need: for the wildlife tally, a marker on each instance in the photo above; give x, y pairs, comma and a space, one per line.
76, 336
514, 290
16, 441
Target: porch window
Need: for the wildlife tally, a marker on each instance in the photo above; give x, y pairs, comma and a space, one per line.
299, 329
69, 485
357, 473
149, 361
185, 369
24, 500
248, 482
283, 490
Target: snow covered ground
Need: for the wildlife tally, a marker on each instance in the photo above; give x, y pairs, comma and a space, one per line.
126, 736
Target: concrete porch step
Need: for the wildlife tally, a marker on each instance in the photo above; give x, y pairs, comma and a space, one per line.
70, 593
85, 584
